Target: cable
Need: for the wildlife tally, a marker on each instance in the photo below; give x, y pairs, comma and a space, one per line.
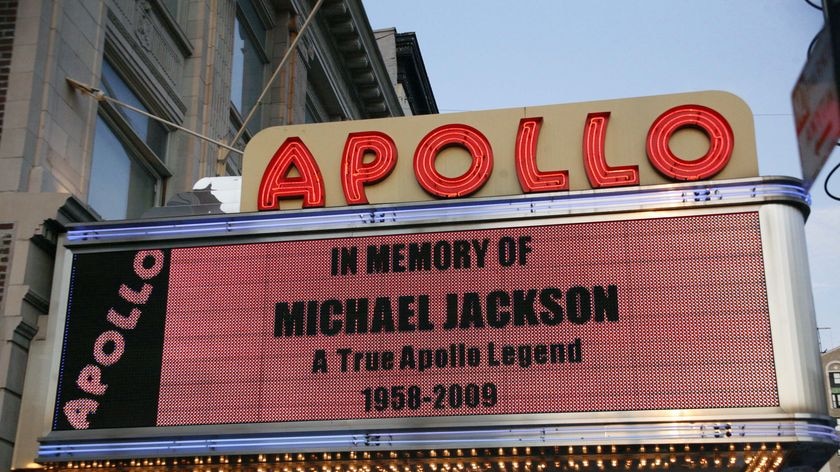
223, 155
813, 43
810, 51
825, 184
100, 96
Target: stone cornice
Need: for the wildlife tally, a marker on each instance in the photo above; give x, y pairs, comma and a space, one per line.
411, 72
350, 31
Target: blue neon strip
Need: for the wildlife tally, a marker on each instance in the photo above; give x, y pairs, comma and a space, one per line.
74, 450
540, 205
395, 438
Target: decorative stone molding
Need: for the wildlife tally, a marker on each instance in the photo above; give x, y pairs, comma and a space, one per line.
344, 26
7, 231
143, 28
412, 75
140, 38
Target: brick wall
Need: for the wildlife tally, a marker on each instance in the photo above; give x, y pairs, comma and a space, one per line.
8, 14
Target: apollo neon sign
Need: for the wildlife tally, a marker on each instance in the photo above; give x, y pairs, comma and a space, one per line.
375, 152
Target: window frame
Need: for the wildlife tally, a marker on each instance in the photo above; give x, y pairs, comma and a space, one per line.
136, 147
314, 108
233, 164
174, 21
260, 48
242, 16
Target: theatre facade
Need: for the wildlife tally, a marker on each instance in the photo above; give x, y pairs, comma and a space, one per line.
70, 153
592, 286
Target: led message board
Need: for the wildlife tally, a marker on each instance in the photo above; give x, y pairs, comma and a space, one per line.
663, 313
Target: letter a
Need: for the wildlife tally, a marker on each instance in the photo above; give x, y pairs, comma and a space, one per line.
319, 362
277, 184
77, 412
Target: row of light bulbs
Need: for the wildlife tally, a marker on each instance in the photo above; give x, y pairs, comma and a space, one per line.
758, 458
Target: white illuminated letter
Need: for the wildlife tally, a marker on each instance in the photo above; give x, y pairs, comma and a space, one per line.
90, 380
107, 337
152, 271
122, 321
77, 412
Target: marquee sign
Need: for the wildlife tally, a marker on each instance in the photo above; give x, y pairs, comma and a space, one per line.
543, 318
615, 143
646, 312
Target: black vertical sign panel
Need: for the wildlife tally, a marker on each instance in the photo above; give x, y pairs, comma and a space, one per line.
100, 283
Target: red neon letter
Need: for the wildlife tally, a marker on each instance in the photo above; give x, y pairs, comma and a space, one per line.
122, 321
530, 178
599, 173
277, 184
453, 135
355, 172
717, 129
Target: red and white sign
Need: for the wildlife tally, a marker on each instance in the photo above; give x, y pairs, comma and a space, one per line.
816, 109
642, 314
615, 143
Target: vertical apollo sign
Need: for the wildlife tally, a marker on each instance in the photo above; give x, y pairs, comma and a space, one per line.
114, 340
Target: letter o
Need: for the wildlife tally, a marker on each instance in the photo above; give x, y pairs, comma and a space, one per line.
99, 353
712, 123
152, 271
444, 136
507, 251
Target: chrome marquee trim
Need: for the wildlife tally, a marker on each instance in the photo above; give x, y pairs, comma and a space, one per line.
756, 431
626, 199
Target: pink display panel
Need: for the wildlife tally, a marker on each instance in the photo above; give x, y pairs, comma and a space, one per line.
666, 313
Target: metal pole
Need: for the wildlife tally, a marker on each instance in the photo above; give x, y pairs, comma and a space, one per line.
100, 96
222, 158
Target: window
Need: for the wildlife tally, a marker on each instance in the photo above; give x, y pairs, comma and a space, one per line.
834, 386
313, 112
150, 131
128, 151
173, 7
233, 164
249, 59
119, 186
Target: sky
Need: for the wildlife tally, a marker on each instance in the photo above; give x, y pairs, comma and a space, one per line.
490, 54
